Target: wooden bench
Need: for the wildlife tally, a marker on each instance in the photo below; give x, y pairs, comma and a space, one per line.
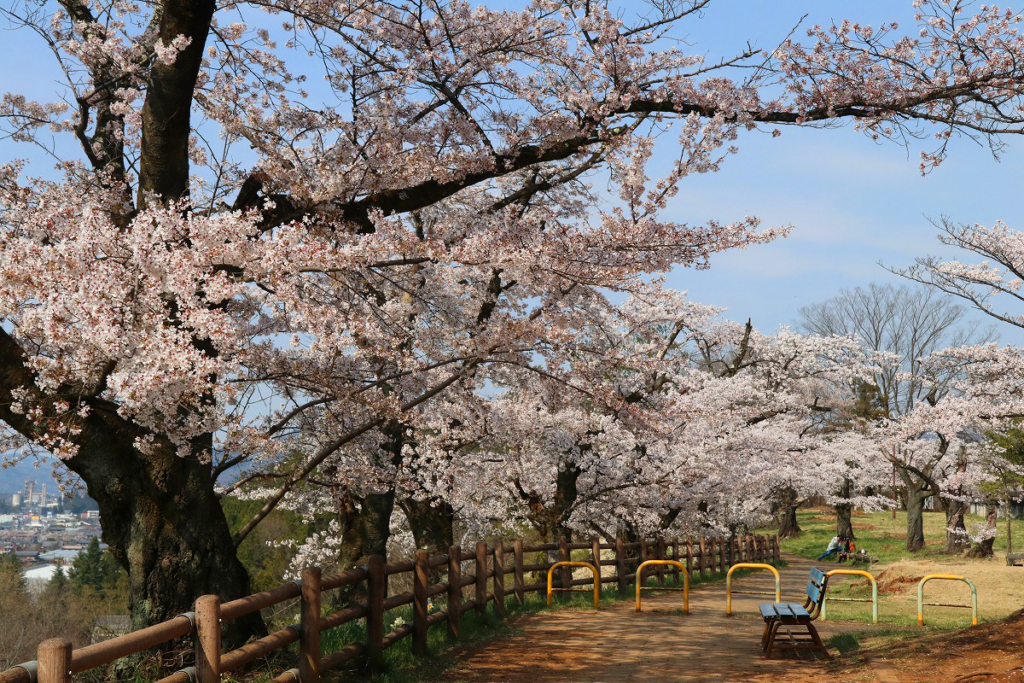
795, 620
1015, 559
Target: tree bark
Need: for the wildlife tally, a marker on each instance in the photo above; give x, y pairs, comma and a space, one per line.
984, 547
166, 124
365, 530
844, 512
915, 517
164, 524
550, 520
432, 523
957, 540
785, 513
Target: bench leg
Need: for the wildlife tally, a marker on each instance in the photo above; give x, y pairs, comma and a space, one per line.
817, 641
764, 636
773, 632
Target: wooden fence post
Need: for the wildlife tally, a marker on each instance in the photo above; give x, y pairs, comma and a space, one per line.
775, 548
499, 576
661, 556
703, 562
564, 573
208, 639
376, 588
54, 660
309, 626
595, 550
520, 580
481, 579
722, 568
675, 556
689, 557
620, 564
420, 581
712, 564
759, 544
454, 590
734, 551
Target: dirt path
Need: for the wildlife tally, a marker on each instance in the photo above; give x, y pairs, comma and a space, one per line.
617, 645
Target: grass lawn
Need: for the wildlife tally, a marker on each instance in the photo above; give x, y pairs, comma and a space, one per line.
884, 537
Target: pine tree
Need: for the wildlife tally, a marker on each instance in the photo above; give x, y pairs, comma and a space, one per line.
87, 569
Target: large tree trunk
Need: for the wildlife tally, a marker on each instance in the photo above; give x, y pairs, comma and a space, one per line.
365, 530
957, 540
844, 512
549, 520
984, 547
164, 524
785, 513
432, 523
161, 516
915, 517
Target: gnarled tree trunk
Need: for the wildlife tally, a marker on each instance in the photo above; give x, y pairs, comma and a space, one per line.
432, 523
983, 548
160, 513
957, 540
365, 530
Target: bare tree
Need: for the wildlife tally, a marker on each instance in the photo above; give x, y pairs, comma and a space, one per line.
908, 323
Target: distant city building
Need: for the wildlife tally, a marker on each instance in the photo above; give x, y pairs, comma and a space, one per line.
27, 556
60, 556
16, 500
33, 494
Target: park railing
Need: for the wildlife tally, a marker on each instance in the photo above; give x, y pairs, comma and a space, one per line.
57, 661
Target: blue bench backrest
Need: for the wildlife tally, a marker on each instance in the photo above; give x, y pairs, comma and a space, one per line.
816, 586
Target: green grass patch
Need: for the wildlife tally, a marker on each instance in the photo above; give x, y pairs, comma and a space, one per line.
883, 537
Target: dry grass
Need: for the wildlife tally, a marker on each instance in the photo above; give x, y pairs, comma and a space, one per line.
1000, 588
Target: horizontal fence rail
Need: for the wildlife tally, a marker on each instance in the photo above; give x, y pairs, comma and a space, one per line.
497, 572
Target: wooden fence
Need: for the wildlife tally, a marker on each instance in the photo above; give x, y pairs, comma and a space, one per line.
57, 661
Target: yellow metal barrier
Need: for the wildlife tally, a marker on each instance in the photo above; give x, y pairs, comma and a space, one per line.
592, 568
946, 577
874, 593
750, 565
673, 563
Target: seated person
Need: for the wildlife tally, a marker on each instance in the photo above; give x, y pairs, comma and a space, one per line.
833, 547
848, 550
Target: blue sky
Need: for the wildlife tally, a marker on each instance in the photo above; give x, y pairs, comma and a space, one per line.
852, 202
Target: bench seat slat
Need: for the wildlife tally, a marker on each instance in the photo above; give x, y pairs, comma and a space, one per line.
783, 610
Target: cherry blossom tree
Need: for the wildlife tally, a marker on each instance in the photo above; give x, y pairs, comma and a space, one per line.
237, 268
989, 281
902, 325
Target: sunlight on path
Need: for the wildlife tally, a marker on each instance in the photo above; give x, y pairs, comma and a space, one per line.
617, 645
